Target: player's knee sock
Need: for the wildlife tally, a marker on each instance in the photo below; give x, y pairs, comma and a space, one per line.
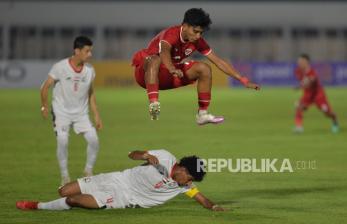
59, 204
62, 153
298, 117
152, 92
92, 149
204, 101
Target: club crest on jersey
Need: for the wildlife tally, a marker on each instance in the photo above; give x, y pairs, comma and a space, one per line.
109, 200
188, 51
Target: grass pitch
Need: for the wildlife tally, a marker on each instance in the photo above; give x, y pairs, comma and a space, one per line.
258, 125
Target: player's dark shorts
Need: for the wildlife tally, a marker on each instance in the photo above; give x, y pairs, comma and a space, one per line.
317, 97
166, 80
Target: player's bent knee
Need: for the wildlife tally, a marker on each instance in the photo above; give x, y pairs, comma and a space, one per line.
324, 108
62, 191
66, 190
204, 69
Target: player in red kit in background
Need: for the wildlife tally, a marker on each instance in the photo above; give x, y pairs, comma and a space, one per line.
164, 65
313, 92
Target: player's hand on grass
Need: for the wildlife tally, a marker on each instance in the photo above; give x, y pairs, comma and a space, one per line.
176, 72
217, 208
44, 112
151, 159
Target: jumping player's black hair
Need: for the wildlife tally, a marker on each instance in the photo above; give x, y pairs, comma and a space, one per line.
197, 17
193, 164
82, 41
305, 56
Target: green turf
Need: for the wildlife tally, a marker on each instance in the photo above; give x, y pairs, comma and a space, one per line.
258, 125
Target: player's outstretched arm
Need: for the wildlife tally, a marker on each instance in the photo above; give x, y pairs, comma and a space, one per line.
44, 96
206, 203
94, 108
228, 69
143, 155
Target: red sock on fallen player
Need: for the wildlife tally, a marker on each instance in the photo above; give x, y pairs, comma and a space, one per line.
152, 92
204, 100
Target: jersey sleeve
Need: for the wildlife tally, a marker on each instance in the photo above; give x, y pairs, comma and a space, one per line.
93, 73
166, 159
170, 36
54, 72
203, 47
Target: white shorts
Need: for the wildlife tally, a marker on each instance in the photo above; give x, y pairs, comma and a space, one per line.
108, 190
80, 124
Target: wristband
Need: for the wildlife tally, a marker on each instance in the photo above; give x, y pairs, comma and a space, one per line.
244, 80
43, 108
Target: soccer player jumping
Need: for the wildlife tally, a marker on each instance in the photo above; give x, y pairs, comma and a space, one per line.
164, 65
313, 93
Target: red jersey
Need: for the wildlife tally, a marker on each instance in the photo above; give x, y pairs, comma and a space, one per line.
180, 49
300, 75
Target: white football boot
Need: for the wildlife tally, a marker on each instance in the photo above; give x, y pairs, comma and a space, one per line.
298, 129
203, 117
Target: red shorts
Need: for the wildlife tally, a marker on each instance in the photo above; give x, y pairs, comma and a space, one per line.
317, 97
166, 80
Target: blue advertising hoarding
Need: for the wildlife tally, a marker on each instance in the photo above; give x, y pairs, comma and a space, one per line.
282, 73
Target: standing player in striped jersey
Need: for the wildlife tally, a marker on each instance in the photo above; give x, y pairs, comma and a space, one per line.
72, 80
164, 65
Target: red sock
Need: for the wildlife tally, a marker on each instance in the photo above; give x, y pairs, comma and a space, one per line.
204, 100
152, 92
298, 118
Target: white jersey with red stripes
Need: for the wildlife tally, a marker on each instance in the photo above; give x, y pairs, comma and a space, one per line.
153, 185
71, 88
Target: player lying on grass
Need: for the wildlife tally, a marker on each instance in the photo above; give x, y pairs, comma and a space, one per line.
147, 185
313, 92
164, 65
